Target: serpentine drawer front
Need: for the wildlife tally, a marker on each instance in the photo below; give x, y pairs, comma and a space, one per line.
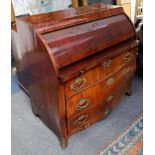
75, 64
97, 93
96, 113
110, 65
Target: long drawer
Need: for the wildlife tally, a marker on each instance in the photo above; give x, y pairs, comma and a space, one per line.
97, 93
94, 114
110, 65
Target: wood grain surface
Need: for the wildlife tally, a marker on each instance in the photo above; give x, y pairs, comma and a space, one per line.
75, 64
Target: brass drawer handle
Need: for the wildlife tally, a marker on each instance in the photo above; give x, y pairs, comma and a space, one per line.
127, 57
109, 99
107, 63
106, 113
82, 104
78, 84
110, 81
81, 120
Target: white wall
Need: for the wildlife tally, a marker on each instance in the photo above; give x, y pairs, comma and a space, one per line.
38, 6
133, 6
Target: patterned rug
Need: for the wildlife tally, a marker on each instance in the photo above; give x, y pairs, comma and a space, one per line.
130, 142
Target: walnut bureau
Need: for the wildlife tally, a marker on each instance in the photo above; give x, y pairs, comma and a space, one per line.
75, 64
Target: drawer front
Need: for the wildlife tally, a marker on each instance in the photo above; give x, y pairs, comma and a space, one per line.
94, 114
110, 65
97, 93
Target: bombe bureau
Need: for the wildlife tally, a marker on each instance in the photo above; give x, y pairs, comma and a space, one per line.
75, 64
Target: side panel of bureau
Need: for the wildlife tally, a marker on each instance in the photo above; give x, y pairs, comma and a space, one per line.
46, 92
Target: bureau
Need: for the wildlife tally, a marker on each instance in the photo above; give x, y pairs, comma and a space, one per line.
75, 64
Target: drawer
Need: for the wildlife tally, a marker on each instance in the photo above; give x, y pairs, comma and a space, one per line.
96, 113
110, 65
97, 93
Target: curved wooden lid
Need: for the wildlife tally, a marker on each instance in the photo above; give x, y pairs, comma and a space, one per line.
72, 44
74, 34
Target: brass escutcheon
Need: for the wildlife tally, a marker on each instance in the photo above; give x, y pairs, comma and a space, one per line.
127, 57
83, 103
110, 81
81, 120
78, 84
107, 63
109, 99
